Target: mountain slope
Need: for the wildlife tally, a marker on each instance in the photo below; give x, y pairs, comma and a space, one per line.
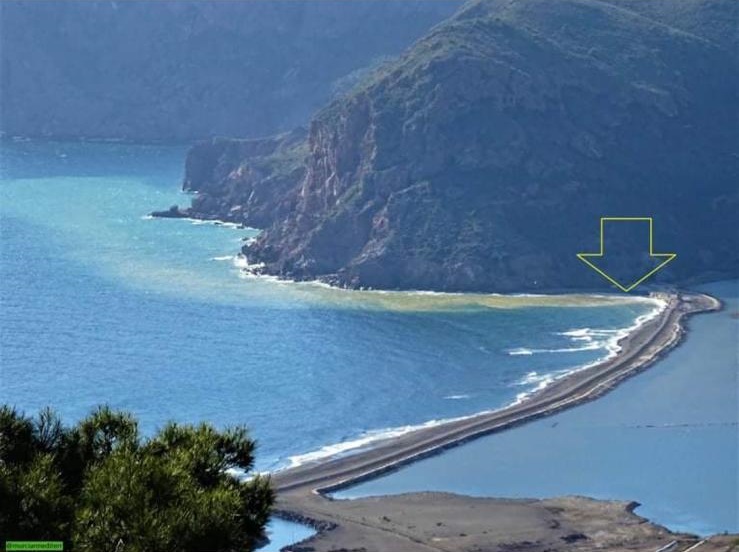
484, 157
189, 69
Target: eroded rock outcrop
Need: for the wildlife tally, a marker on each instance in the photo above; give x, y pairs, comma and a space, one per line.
484, 157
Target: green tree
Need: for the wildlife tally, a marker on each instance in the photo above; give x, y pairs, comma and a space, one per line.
100, 487
32, 498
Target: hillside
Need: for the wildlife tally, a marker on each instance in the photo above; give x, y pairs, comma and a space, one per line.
186, 70
483, 158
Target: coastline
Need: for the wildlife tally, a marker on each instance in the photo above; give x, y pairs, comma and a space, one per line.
302, 490
370, 438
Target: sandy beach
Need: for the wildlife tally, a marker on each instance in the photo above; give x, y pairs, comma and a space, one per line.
358, 524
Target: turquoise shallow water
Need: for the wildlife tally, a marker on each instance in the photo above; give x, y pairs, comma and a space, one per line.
101, 304
667, 438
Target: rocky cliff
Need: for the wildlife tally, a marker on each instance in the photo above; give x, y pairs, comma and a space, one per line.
188, 69
483, 158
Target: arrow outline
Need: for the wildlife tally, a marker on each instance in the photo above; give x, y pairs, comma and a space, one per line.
584, 256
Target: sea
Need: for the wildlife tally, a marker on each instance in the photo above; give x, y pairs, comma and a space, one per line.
100, 303
667, 438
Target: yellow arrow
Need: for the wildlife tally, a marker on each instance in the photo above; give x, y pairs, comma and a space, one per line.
626, 288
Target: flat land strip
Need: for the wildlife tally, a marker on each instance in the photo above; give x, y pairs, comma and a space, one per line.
440, 521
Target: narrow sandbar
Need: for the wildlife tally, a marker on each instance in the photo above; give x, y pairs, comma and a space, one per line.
301, 490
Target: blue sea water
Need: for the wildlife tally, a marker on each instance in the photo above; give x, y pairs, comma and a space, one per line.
667, 438
99, 303
102, 304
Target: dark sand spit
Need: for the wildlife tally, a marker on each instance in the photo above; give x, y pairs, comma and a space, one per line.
441, 521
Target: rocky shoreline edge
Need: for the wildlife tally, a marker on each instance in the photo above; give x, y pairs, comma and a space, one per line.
344, 525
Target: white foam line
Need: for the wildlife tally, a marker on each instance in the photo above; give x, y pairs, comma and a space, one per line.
527, 352
215, 222
202, 222
539, 382
611, 345
254, 271
241, 262
360, 443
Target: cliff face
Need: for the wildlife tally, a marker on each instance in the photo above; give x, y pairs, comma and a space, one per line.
484, 157
245, 181
186, 70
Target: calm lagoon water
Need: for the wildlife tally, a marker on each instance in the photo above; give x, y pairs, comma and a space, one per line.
282, 533
667, 438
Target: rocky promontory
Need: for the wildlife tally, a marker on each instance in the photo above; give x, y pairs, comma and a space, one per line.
484, 157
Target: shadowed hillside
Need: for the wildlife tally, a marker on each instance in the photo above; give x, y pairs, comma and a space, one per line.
185, 70
483, 158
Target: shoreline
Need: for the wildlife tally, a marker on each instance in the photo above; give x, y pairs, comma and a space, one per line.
175, 212
303, 490
370, 438
639, 349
